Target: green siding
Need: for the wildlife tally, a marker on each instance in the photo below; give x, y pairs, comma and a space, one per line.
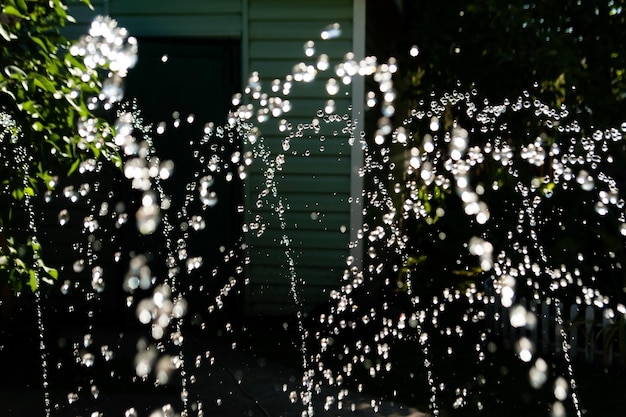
325, 11
189, 18
315, 180
281, 30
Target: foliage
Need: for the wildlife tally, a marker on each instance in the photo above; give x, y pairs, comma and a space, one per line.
572, 51
568, 55
47, 92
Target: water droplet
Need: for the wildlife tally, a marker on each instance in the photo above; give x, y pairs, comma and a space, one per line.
208, 197
585, 180
525, 349
78, 265
198, 223
434, 124
558, 410
293, 397
97, 278
332, 87
309, 48
331, 31
87, 359
64, 217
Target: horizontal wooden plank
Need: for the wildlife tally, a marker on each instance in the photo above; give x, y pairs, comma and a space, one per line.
334, 135
279, 68
294, 49
183, 25
263, 308
306, 29
304, 10
328, 146
171, 8
314, 89
304, 124
328, 203
314, 185
318, 163
308, 296
330, 134
275, 275
309, 107
313, 219
305, 258
301, 239
338, 233
276, 299
333, 202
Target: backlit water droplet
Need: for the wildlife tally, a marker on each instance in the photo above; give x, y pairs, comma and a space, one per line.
331, 31
64, 217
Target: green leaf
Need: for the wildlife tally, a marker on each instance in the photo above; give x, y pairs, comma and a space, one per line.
10, 10
35, 245
21, 5
74, 167
39, 42
18, 194
32, 282
44, 83
15, 72
54, 273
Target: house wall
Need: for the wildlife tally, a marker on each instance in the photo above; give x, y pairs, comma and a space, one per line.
315, 182
190, 18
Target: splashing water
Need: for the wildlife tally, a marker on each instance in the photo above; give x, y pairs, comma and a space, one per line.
431, 306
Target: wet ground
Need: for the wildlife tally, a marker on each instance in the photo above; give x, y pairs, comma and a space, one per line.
222, 380
255, 370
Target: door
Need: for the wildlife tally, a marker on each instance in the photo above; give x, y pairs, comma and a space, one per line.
181, 85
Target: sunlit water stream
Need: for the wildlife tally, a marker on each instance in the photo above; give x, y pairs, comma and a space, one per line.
396, 321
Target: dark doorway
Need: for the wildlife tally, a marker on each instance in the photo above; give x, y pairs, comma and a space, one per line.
181, 85
190, 76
